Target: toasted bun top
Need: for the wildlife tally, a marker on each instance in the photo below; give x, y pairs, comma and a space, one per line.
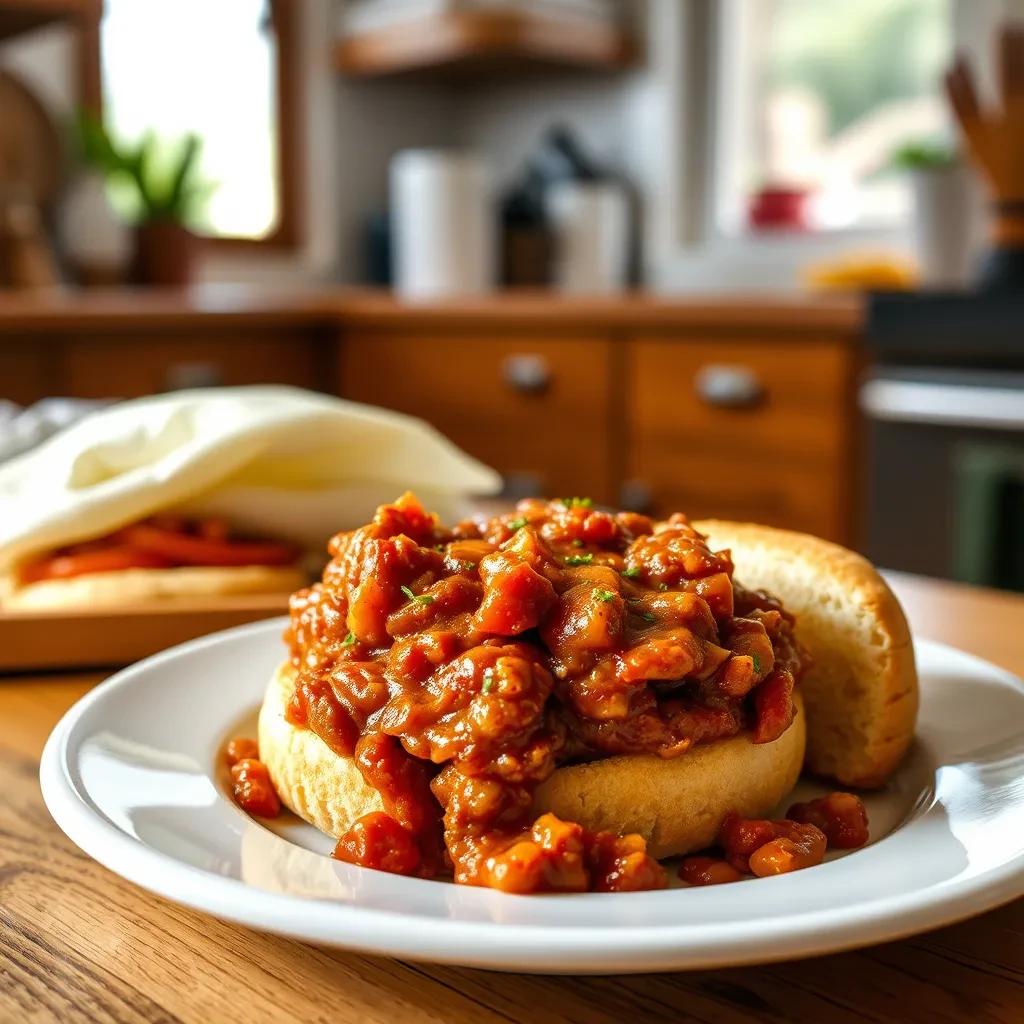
861, 692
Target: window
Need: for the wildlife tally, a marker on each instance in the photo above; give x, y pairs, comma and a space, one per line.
226, 72
815, 97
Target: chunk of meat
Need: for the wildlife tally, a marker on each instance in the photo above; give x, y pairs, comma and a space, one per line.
516, 596
253, 790
377, 841
841, 816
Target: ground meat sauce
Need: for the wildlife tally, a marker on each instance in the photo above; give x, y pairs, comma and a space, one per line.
460, 667
757, 846
251, 784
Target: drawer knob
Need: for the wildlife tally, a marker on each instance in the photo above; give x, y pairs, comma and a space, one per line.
527, 374
636, 496
182, 376
729, 387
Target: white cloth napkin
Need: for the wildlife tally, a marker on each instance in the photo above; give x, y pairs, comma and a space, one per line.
275, 460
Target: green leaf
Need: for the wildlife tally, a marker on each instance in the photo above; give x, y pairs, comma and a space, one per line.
924, 154
631, 573
349, 640
181, 177
579, 560
605, 595
517, 524
489, 681
757, 664
418, 598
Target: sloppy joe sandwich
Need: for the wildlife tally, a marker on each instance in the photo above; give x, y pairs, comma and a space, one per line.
198, 493
553, 698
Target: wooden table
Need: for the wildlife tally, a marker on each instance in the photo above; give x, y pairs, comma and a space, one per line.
79, 944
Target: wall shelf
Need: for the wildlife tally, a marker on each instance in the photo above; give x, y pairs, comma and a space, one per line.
20, 16
474, 41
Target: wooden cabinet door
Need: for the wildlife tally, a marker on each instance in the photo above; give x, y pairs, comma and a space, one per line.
537, 410
25, 375
745, 429
149, 362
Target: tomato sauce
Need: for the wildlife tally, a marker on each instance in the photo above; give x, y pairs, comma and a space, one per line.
160, 542
460, 667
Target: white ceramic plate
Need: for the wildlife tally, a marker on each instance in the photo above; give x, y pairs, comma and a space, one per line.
133, 774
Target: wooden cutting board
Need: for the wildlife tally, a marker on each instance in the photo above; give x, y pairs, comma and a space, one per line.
108, 638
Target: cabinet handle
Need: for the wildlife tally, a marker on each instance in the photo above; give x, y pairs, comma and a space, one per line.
636, 496
181, 376
729, 387
527, 374
518, 485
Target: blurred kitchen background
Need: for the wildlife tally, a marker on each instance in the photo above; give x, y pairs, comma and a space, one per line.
724, 256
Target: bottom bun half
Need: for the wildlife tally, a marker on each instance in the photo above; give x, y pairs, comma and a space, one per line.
134, 587
676, 804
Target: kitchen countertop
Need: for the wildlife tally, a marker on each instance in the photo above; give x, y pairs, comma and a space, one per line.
79, 944
83, 311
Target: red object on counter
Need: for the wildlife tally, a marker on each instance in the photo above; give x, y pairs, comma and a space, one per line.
779, 208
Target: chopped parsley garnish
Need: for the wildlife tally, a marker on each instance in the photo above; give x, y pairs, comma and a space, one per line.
663, 586
489, 681
468, 566
418, 598
517, 524
439, 547
579, 560
577, 543
604, 595
631, 573
349, 640
757, 664
577, 502
648, 617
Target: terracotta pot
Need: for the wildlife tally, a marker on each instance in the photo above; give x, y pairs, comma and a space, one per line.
165, 254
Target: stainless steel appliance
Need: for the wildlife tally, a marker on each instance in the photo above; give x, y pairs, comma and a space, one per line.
944, 405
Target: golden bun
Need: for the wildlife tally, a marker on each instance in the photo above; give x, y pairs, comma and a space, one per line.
861, 693
677, 805
132, 587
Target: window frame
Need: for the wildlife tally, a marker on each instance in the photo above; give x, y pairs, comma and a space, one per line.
683, 248
288, 233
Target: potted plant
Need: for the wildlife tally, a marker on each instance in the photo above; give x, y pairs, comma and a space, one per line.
161, 190
943, 208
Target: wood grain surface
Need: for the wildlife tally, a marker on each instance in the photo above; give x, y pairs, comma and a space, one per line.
79, 944
108, 637
98, 310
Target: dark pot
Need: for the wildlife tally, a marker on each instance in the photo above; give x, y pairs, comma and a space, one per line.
165, 254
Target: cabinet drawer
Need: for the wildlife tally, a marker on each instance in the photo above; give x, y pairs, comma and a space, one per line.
148, 363
536, 410
25, 375
755, 430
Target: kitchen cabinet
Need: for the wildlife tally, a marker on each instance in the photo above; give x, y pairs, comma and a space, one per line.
726, 407
129, 366
537, 409
25, 371
749, 428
